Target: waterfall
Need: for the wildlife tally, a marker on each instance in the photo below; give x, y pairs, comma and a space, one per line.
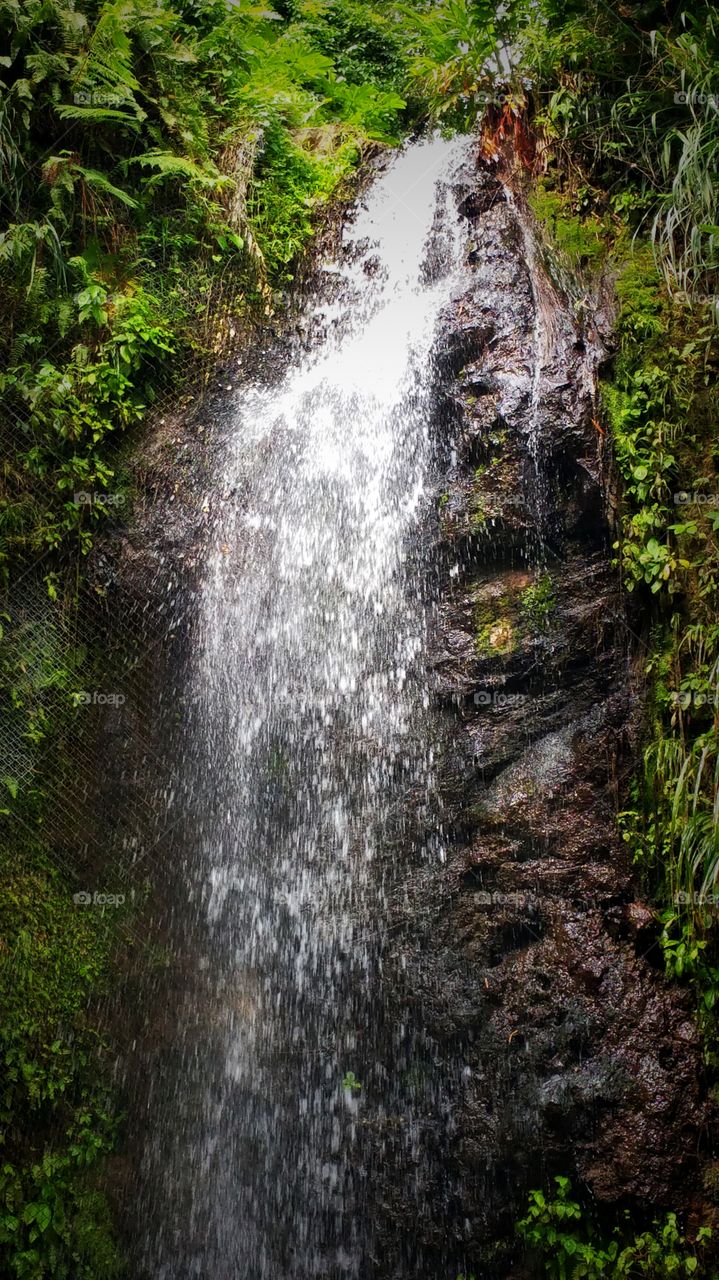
311, 728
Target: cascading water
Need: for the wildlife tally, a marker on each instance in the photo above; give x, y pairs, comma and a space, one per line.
312, 723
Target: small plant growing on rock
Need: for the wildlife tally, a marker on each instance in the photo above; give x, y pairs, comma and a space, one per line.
569, 1245
350, 1081
538, 603
479, 516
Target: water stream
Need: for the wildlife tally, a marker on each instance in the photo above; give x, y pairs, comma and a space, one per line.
312, 726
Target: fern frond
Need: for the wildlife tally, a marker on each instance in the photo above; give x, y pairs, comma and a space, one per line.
100, 115
169, 165
99, 182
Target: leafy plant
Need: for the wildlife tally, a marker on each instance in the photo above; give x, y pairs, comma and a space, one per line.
538, 603
631, 98
451, 45
569, 1245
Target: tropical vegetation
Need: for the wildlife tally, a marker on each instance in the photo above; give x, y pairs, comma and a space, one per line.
624, 102
163, 168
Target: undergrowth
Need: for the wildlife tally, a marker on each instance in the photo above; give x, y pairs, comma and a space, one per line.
569, 1244
58, 1117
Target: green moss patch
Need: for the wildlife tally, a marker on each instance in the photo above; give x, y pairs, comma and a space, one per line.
498, 620
583, 240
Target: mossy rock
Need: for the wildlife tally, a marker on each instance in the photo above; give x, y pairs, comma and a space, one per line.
711, 1181
498, 620
495, 488
581, 240
497, 639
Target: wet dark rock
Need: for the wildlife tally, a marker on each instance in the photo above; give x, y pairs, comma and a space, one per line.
527, 955
640, 919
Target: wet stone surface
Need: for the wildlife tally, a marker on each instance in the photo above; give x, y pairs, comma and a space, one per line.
526, 958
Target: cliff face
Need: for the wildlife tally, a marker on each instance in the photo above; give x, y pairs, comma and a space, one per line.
522, 1023
527, 959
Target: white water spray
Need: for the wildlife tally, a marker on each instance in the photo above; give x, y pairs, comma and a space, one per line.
313, 727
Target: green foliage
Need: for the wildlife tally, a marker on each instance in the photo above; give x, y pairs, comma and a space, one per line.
364, 45
647, 402
55, 1115
290, 183
451, 44
582, 240
629, 96
685, 955
52, 958
34, 661
568, 1243
538, 603
661, 417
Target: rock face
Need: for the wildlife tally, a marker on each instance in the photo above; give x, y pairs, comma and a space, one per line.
526, 959
526, 1027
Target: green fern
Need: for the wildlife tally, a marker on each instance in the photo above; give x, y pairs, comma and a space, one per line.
99, 182
170, 166
99, 115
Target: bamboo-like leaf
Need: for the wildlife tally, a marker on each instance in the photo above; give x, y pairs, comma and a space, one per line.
99, 182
